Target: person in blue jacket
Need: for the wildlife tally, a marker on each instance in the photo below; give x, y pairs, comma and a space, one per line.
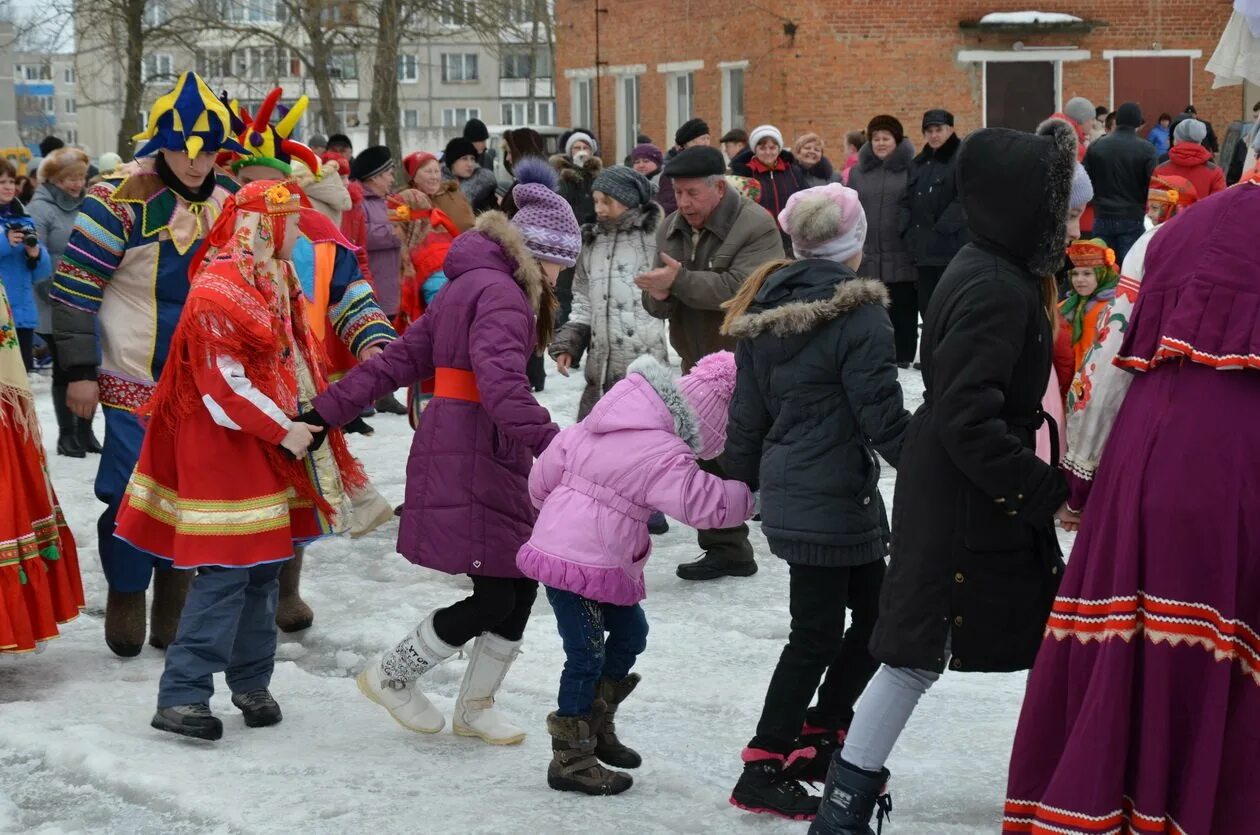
23, 261
1161, 135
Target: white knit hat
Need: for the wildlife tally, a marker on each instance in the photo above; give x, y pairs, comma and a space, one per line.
764, 132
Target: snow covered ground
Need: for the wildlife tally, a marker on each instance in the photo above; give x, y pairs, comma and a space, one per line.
77, 754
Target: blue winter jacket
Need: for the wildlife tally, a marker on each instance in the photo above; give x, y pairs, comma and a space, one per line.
16, 272
1158, 136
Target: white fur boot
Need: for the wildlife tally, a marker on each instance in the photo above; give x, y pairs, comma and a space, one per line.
474, 710
390, 681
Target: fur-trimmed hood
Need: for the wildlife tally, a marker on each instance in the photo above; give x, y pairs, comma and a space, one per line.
571, 171
643, 218
899, 160
469, 252
639, 409
803, 296
1014, 188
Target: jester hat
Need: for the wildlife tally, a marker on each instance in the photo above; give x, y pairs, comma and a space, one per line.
270, 145
188, 118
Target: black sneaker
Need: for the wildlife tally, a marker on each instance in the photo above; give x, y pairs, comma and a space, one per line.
657, 523
710, 567
261, 711
195, 721
389, 405
358, 426
764, 789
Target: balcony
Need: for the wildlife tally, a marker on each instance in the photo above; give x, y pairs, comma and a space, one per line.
518, 88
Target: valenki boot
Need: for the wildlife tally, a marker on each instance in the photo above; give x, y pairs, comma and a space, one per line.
849, 799
608, 747
170, 587
475, 715
390, 681
574, 767
292, 613
124, 622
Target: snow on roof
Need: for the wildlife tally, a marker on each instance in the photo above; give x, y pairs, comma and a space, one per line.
1009, 18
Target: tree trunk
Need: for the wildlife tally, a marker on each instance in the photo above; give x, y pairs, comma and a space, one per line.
384, 111
320, 57
133, 81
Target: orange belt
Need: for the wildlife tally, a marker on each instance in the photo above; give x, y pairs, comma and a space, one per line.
456, 384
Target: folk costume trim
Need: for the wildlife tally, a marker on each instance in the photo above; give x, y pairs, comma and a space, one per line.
1027, 816
194, 517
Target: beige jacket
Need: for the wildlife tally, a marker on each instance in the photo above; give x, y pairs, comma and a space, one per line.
328, 195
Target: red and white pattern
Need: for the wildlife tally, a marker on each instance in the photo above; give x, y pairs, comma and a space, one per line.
121, 393
1040, 819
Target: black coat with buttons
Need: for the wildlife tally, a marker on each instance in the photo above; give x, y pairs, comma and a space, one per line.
975, 559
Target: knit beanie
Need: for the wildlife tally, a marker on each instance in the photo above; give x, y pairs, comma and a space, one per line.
708, 389
1082, 189
475, 131
1191, 130
1129, 115
370, 162
689, 130
416, 160
889, 123
458, 148
825, 222
1080, 110
579, 136
764, 132
109, 162
543, 217
625, 185
647, 150
49, 144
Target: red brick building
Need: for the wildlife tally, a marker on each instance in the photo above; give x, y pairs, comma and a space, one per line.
630, 66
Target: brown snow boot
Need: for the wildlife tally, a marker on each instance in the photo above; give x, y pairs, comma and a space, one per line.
170, 587
608, 747
292, 613
124, 622
573, 765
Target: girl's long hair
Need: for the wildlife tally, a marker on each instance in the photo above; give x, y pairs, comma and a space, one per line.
739, 305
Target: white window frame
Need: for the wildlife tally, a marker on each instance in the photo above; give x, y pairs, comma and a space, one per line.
464, 63
628, 130
411, 62
1110, 56
674, 72
159, 59
1057, 57
728, 109
415, 118
582, 116
451, 117
70, 75
70, 105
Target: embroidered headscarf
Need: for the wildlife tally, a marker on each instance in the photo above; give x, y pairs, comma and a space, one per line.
1096, 254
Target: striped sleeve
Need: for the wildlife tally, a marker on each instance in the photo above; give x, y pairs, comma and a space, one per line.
94, 251
235, 403
354, 313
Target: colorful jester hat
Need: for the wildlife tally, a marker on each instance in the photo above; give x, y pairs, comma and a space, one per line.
188, 118
270, 145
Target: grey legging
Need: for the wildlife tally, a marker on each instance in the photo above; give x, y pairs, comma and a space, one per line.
883, 712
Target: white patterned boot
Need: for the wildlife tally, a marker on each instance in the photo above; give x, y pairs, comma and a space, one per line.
474, 710
390, 681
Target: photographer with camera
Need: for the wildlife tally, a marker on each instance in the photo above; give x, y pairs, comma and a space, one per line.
24, 264
54, 208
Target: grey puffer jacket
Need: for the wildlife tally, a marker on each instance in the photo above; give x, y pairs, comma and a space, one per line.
816, 396
480, 189
608, 319
880, 184
54, 212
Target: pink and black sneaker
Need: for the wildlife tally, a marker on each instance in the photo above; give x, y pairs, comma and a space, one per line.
766, 788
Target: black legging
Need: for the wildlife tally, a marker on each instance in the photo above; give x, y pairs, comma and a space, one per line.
498, 604
60, 378
26, 345
904, 313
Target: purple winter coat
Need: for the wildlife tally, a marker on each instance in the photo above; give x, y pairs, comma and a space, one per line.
384, 251
467, 508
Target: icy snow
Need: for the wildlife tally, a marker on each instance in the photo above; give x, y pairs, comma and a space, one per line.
1000, 18
77, 754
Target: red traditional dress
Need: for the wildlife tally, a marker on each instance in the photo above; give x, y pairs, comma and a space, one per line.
39, 567
213, 486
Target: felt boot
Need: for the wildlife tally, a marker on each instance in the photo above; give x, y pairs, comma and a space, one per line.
292, 613
170, 587
124, 622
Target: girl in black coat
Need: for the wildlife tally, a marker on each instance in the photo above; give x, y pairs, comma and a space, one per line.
816, 396
975, 562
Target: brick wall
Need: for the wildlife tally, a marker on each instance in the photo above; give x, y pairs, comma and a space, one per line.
849, 61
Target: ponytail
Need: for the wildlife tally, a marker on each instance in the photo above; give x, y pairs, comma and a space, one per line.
748, 291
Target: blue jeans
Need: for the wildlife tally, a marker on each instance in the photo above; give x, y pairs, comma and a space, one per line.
589, 656
1120, 233
228, 625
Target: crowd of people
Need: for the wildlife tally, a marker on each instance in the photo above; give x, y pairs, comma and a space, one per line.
238, 301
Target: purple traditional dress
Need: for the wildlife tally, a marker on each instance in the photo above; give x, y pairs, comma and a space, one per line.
1143, 709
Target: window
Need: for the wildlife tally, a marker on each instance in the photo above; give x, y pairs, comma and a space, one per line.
267, 63
519, 113
70, 75
733, 99
347, 115
519, 12
455, 12
455, 117
680, 92
628, 112
214, 64
408, 69
32, 72
459, 67
155, 13
580, 106
343, 65
71, 136
255, 11
157, 67
71, 106
411, 118
515, 63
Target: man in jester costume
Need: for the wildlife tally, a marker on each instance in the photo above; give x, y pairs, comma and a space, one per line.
119, 291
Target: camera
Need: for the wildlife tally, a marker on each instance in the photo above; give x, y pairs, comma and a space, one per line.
19, 226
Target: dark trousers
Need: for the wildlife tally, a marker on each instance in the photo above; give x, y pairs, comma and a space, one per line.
498, 604
589, 654
818, 644
929, 277
903, 310
26, 346
1120, 233
728, 543
228, 625
60, 378
564, 295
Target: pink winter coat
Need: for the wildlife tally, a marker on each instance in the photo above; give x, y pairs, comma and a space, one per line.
598, 482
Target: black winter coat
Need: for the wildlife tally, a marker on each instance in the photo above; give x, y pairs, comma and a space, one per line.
1120, 167
974, 554
575, 185
816, 395
932, 221
880, 183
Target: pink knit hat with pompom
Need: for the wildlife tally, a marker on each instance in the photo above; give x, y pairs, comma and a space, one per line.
708, 389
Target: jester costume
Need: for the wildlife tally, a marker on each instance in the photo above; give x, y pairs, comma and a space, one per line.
119, 291
39, 567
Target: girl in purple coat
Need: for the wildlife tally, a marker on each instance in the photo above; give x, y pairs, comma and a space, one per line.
636, 451
467, 508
